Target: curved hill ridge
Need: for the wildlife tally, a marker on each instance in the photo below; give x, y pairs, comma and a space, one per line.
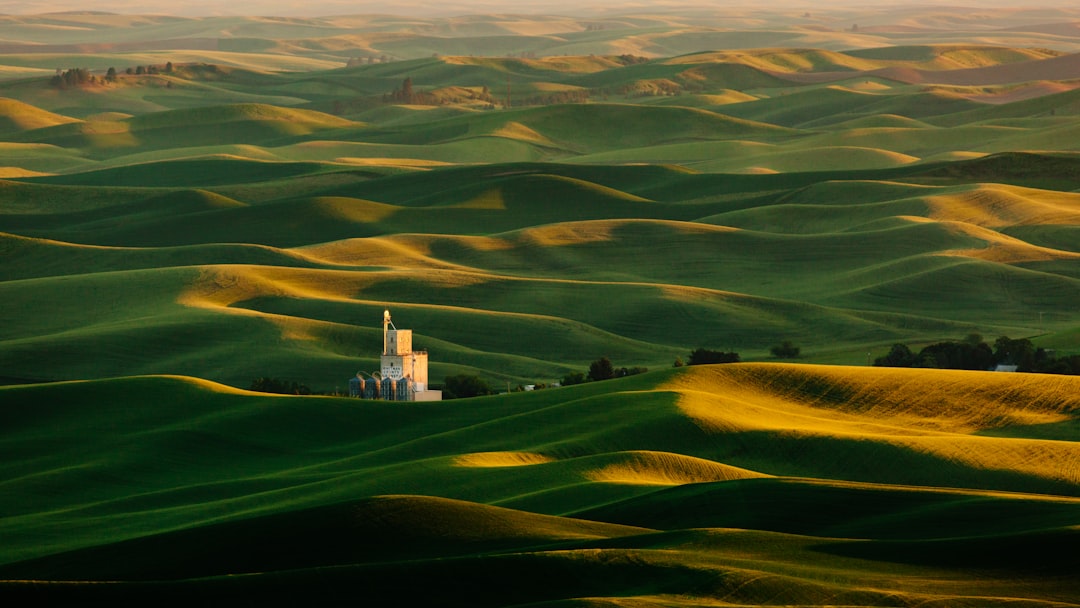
581, 128
667, 469
215, 115
781, 60
786, 411
371, 529
635, 467
246, 123
16, 116
930, 58
959, 71
891, 396
843, 469
35, 258
994, 205
1005, 249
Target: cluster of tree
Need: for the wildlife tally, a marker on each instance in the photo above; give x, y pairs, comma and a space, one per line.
141, 70
402, 94
704, 356
651, 88
81, 77
75, 77
601, 369
463, 386
631, 59
279, 386
594, 27
972, 353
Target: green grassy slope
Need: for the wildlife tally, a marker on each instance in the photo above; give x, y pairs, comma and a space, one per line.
557, 255
595, 478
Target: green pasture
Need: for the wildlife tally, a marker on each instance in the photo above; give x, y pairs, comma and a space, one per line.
136, 479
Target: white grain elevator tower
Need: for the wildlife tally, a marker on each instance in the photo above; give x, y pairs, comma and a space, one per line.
400, 361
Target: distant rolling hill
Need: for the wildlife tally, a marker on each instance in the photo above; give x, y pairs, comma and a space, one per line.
541, 250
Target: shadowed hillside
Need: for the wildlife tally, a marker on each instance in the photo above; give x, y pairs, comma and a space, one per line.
619, 480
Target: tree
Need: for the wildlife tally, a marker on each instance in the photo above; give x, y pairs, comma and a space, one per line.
573, 378
278, 386
407, 90
679, 362
959, 355
785, 350
601, 369
168, 68
899, 356
1020, 353
74, 77
110, 76
462, 386
703, 356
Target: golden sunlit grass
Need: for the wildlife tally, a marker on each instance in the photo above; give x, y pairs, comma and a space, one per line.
224, 286
516, 130
403, 163
501, 459
630, 454
782, 60
935, 412
896, 397
18, 116
391, 252
1002, 248
666, 469
995, 205
13, 172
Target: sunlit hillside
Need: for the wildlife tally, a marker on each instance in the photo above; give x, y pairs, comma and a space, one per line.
731, 483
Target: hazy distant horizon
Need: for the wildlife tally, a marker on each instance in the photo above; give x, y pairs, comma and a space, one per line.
319, 8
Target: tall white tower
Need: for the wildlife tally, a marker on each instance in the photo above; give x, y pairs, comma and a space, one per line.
399, 360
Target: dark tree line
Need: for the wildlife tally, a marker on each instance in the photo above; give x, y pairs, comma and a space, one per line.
601, 369
279, 386
973, 353
141, 70
75, 77
463, 386
704, 356
81, 77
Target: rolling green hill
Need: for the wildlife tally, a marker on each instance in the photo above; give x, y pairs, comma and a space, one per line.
530, 193
618, 480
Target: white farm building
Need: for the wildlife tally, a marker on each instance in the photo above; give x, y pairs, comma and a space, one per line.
403, 372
